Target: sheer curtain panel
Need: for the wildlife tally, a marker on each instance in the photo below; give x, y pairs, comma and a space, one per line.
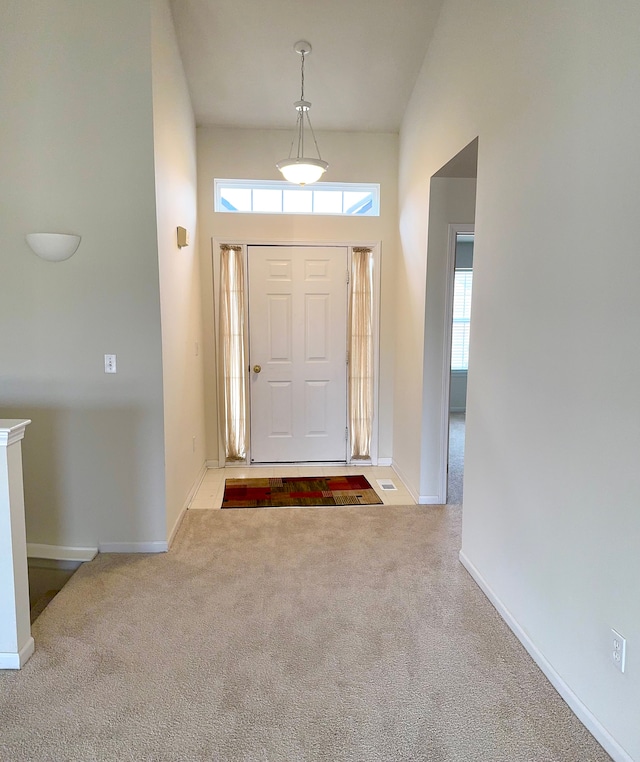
232, 351
361, 354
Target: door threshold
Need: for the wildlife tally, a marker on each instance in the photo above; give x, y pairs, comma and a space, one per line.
289, 463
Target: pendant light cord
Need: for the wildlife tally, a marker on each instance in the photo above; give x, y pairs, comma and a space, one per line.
303, 108
302, 114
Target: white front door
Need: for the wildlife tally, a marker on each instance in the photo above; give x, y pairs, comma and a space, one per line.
298, 353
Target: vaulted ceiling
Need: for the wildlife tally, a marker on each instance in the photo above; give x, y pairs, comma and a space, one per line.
242, 70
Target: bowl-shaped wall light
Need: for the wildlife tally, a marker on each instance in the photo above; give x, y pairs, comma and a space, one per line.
54, 247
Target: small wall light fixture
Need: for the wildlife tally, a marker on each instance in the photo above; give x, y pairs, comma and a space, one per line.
54, 247
300, 169
183, 237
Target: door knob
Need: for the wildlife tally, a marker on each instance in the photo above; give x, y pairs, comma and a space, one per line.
257, 368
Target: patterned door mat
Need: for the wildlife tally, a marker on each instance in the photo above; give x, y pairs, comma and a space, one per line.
299, 491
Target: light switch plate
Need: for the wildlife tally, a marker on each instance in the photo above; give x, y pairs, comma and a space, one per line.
110, 364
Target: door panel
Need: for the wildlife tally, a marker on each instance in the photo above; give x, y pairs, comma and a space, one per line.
278, 325
281, 413
298, 337
317, 326
317, 415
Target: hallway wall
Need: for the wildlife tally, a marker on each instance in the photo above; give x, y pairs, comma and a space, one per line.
179, 268
77, 156
353, 157
551, 521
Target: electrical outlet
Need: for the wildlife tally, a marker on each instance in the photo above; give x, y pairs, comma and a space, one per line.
110, 364
619, 650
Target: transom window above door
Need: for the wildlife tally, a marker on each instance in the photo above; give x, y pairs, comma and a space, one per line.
279, 197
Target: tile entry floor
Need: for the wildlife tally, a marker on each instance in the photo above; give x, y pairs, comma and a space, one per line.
211, 490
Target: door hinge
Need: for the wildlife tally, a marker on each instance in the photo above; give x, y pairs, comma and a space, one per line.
348, 278
346, 434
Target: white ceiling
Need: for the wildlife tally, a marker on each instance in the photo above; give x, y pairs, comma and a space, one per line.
242, 70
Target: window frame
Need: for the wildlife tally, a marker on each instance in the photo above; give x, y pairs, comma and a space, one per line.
464, 321
283, 185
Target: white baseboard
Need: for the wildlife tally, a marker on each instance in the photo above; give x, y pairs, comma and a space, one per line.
133, 547
405, 482
429, 500
213, 464
192, 493
589, 720
18, 660
418, 499
157, 547
385, 461
185, 507
176, 524
60, 552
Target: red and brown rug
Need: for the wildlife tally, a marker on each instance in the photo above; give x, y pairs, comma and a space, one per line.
298, 491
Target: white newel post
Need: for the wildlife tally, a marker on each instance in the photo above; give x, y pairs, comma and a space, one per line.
16, 643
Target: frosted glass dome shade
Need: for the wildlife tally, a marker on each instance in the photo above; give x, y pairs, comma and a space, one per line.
54, 247
302, 171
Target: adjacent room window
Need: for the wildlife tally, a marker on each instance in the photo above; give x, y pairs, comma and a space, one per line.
462, 281
279, 197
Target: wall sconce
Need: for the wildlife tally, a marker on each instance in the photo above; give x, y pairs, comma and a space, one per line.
54, 247
183, 237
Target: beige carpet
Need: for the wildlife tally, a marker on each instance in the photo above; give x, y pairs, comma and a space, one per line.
294, 634
455, 475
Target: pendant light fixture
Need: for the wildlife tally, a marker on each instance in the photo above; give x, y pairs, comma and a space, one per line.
302, 170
